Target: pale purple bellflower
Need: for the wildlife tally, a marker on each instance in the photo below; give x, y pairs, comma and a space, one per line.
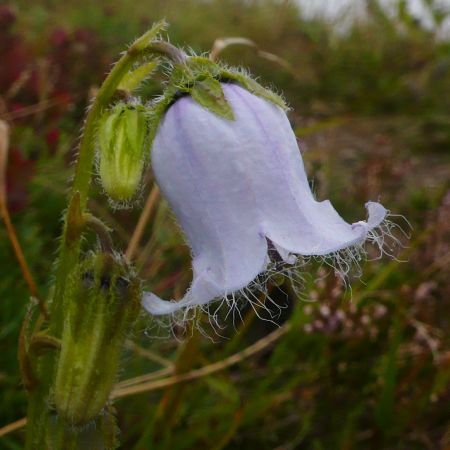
238, 189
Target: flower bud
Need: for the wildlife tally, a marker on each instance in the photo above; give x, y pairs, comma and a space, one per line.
102, 302
121, 138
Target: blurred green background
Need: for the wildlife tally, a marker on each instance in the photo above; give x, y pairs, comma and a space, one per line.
366, 368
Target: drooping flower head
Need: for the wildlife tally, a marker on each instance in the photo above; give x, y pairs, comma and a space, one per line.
239, 191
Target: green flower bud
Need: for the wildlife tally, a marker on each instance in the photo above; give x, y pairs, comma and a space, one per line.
121, 139
102, 302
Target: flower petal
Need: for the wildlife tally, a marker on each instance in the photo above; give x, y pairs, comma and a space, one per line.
197, 164
291, 218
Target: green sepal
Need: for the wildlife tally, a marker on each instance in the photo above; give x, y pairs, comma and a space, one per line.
202, 78
254, 87
209, 94
204, 66
133, 79
102, 301
196, 68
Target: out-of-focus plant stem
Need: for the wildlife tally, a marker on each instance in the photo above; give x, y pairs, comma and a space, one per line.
41, 424
4, 214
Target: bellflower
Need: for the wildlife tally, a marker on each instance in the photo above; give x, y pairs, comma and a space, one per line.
239, 191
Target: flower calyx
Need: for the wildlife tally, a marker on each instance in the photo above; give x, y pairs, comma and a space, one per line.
102, 301
203, 80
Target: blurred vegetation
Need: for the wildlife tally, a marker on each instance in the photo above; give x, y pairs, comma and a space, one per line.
367, 368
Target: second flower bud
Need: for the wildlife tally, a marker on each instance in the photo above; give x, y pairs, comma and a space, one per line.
122, 137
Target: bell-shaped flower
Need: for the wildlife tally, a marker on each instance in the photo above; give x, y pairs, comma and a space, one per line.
239, 189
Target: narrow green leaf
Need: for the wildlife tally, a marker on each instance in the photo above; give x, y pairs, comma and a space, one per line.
255, 88
134, 78
209, 93
150, 35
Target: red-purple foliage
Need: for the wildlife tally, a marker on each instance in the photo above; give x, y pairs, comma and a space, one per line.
41, 83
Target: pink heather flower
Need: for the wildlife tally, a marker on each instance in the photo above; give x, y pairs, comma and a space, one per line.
238, 187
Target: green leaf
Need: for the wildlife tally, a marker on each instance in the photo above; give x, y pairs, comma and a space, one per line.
150, 35
134, 78
209, 93
255, 88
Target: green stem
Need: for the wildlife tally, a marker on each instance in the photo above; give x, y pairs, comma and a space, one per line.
41, 424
